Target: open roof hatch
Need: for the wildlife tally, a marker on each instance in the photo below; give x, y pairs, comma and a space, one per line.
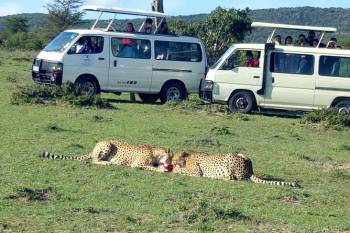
323, 30
123, 11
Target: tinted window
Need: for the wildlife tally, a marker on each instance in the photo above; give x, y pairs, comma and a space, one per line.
242, 58
292, 63
178, 51
88, 45
335, 66
131, 48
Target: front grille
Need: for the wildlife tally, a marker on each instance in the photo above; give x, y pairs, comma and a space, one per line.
44, 76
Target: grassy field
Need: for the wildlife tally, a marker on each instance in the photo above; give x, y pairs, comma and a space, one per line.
57, 196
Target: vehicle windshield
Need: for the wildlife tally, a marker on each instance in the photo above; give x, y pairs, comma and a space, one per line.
61, 42
228, 52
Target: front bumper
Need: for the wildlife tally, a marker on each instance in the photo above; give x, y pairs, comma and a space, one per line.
42, 73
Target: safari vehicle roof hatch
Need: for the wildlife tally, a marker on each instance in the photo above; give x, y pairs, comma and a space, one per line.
323, 30
123, 11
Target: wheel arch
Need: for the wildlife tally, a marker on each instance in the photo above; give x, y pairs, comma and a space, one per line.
174, 81
338, 99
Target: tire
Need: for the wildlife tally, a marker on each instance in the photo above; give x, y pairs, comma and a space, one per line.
149, 98
241, 102
172, 91
88, 86
343, 106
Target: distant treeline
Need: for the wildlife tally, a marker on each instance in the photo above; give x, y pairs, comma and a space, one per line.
330, 17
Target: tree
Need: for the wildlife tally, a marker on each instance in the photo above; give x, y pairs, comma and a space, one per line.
64, 14
16, 24
222, 28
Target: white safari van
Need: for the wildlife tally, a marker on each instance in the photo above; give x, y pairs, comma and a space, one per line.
104, 60
250, 76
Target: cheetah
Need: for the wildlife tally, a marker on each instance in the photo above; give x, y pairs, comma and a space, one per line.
113, 152
219, 166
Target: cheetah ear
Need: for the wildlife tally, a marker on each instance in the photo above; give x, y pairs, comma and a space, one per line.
169, 152
185, 154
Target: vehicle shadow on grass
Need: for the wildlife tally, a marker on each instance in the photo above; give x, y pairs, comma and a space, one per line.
125, 101
280, 113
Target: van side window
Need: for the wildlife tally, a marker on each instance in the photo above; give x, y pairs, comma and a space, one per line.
177, 51
335, 66
292, 63
242, 58
131, 48
88, 45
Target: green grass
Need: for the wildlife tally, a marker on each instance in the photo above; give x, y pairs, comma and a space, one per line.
58, 196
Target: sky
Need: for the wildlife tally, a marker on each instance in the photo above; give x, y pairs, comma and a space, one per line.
172, 7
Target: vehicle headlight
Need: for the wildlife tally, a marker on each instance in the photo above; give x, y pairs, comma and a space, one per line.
208, 85
55, 67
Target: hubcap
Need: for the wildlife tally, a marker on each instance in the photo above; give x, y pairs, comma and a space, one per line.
87, 88
173, 93
241, 103
344, 110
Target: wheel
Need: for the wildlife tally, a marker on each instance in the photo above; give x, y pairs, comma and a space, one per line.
172, 91
241, 102
87, 86
149, 98
343, 106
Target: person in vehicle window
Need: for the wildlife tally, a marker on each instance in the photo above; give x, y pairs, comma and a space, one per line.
87, 46
311, 37
148, 26
128, 48
288, 41
130, 28
302, 40
277, 40
251, 60
164, 29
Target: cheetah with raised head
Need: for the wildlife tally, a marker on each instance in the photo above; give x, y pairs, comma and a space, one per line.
124, 154
219, 166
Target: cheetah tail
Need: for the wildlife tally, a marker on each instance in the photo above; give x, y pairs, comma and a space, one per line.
48, 155
256, 179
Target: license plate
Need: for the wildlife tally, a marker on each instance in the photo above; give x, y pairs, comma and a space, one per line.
36, 68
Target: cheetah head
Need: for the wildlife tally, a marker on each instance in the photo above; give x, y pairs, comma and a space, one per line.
165, 158
179, 159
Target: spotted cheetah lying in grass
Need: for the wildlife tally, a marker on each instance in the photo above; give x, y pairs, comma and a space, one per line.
219, 166
145, 157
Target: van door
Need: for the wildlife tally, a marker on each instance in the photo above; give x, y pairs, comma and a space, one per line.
88, 55
130, 65
242, 70
290, 81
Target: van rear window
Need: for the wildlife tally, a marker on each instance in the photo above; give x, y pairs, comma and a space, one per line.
291, 63
178, 51
335, 66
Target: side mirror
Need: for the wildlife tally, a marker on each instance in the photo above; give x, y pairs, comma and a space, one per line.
72, 50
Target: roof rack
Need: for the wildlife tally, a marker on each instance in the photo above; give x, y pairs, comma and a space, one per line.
123, 11
323, 30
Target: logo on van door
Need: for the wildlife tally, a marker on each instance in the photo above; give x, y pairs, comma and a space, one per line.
127, 82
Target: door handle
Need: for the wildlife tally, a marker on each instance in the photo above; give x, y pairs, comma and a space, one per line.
273, 80
115, 63
101, 58
257, 77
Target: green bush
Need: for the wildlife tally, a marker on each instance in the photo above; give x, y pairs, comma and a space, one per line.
330, 118
68, 93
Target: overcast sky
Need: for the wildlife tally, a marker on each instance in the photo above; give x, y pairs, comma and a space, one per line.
172, 7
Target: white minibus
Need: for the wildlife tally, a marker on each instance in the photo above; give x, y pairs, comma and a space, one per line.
254, 76
103, 60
